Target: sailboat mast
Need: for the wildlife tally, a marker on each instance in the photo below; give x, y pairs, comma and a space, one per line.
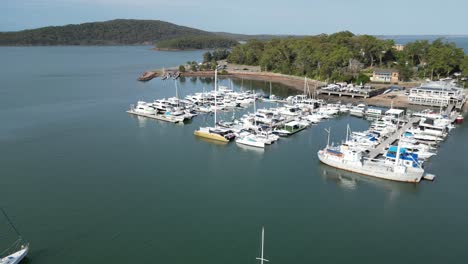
347, 132
305, 84
10, 222
328, 139
397, 159
216, 93
270, 90
255, 111
176, 92
263, 242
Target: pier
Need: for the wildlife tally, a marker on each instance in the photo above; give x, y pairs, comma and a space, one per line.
365, 95
339, 94
391, 139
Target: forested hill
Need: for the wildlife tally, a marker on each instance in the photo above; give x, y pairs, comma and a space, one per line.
114, 32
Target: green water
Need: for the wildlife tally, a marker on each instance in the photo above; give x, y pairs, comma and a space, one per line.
86, 183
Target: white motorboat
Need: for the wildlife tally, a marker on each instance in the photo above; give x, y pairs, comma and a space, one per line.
250, 139
357, 110
144, 108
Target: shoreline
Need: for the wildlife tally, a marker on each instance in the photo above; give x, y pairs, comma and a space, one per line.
396, 99
296, 83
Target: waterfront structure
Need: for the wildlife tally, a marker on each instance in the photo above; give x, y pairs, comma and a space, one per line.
438, 93
385, 76
345, 158
396, 114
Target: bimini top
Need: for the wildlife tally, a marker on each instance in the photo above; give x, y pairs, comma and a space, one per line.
394, 149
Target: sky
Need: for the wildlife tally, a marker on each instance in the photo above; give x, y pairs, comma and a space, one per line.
290, 17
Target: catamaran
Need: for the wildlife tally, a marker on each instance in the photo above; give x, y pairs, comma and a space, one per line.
17, 251
215, 133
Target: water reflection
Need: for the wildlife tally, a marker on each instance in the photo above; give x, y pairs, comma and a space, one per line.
212, 141
352, 181
141, 121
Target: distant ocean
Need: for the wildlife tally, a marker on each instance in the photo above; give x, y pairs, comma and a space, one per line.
461, 40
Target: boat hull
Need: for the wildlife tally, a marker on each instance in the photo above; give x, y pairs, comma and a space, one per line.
16, 257
211, 136
356, 113
373, 171
247, 142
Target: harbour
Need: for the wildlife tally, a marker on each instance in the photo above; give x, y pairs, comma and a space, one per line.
371, 152
153, 189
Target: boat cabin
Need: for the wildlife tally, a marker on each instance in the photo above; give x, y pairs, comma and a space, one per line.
395, 113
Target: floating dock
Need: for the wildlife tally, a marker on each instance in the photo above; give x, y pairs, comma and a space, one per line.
391, 139
157, 117
364, 95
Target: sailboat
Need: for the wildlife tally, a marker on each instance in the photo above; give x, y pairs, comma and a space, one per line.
261, 258
251, 139
215, 132
17, 251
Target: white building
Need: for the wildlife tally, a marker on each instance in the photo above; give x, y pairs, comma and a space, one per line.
437, 94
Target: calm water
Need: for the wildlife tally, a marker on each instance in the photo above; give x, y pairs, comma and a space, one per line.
87, 183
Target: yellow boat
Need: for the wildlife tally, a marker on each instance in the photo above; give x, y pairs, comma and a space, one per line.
214, 134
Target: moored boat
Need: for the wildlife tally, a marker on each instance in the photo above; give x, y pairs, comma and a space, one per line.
215, 133
344, 158
17, 251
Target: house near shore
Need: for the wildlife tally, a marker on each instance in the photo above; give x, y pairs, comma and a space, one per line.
399, 47
385, 76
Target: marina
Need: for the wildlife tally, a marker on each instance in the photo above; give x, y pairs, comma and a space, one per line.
125, 188
394, 148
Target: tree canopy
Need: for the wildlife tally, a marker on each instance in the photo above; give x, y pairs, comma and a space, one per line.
342, 55
114, 32
196, 42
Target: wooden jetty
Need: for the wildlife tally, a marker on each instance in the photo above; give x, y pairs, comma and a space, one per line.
391, 139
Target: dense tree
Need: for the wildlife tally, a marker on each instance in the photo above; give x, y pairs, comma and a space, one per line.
196, 42
444, 58
417, 52
342, 55
119, 31
464, 66
207, 57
